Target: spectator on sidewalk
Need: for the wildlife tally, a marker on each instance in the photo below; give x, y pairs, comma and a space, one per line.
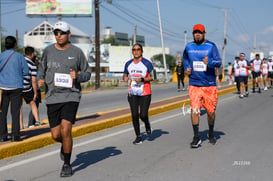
179, 69
13, 67
30, 87
31, 119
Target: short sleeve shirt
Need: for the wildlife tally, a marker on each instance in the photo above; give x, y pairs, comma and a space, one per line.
139, 70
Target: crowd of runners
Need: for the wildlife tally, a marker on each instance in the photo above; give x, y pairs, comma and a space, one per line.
258, 71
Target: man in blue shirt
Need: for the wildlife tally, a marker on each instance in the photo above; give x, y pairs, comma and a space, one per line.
201, 57
13, 67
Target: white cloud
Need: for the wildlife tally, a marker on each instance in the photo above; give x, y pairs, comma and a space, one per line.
268, 30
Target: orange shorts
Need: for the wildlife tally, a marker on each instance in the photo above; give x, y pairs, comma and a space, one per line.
205, 97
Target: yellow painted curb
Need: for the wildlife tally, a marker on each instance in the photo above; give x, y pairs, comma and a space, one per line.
15, 148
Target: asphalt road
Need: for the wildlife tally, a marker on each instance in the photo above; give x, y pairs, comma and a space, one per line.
106, 100
243, 151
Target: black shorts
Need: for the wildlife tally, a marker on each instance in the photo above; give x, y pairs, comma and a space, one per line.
270, 75
28, 96
243, 79
59, 111
256, 74
220, 77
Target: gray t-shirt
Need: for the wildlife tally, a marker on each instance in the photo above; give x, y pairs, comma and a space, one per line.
57, 63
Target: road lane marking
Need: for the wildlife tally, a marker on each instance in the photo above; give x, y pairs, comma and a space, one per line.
29, 160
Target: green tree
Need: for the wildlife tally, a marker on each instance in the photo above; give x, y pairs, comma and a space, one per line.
110, 40
170, 60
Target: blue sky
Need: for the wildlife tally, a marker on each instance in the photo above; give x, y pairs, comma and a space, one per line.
245, 19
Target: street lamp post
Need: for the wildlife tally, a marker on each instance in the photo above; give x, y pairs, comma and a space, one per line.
162, 42
97, 42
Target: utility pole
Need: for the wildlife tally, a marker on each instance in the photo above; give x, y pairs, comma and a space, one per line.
135, 33
97, 44
162, 42
225, 42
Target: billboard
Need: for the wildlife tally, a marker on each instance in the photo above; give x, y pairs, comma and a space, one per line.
59, 7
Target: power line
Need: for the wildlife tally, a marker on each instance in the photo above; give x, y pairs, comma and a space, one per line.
142, 20
152, 29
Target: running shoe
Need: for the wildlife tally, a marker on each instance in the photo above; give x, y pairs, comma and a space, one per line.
149, 132
241, 96
66, 171
259, 90
37, 123
212, 139
137, 141
196, 142
246, 94
265, 88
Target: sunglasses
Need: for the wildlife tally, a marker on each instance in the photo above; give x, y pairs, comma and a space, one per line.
198, 31
136, 50
60, 32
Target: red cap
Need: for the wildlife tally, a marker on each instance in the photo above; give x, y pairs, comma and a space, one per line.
199, 27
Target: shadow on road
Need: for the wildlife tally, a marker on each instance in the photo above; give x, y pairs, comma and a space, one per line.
204, 134
88, 158
155, 134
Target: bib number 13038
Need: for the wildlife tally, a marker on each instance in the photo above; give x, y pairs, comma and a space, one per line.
63, 80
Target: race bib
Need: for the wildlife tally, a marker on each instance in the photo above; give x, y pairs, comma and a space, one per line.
63, 80
199, 66
136, 88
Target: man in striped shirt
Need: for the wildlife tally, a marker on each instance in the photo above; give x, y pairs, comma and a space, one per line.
30, 87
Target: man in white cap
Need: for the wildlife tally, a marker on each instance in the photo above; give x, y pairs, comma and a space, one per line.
63, 67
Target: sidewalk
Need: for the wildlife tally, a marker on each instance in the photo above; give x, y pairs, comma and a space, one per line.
38, 137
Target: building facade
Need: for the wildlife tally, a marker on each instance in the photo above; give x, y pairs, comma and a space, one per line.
42, 35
